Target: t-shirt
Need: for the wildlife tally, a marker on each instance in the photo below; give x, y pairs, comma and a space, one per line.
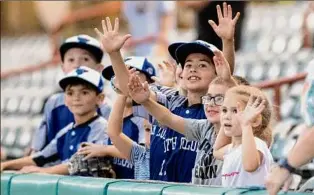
307, 97
134, 129
140, 157
233, 173
207, 169
68, 140
56, 117
144, 19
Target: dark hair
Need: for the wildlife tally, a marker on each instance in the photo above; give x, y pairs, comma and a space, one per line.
76, 81
241, 80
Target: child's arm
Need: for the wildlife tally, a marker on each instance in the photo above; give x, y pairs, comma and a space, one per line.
221, 144
17, 164
223, 69
97, 150
140, 93
251, 156
115, 124
225, 30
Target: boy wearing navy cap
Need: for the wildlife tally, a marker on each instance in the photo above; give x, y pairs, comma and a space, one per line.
75, 51
83, 94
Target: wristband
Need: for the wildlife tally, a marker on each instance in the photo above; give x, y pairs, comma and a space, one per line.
117, 90
283, 163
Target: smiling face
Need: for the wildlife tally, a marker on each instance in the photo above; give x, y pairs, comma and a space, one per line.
198, 72
76, 57
212, 102
81, 99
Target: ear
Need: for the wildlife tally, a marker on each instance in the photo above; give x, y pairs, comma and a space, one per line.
257, 121
100, 98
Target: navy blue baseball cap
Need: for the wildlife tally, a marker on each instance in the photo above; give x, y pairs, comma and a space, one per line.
172, 50
197, 46
139, 63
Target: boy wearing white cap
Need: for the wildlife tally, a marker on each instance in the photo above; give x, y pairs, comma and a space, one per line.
83, 94
75, 51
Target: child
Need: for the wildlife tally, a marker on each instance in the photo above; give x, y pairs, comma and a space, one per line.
75, 51
206, 169
136, 153
176, 162
83, 94
133, 126
245, 117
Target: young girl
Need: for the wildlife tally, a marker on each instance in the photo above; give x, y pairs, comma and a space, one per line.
245, 117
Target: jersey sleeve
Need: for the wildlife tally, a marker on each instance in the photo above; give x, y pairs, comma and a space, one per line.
195, 129
98, 133
105, 110
139, 122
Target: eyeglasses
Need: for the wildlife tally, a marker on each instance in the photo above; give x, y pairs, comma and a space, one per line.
218, 99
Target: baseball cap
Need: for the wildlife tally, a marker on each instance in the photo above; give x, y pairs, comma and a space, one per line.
84, 74
84, 42
172, 50
197, 46
140, 63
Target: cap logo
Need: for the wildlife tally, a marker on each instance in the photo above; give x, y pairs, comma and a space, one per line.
150, 70
80, 71
82, 40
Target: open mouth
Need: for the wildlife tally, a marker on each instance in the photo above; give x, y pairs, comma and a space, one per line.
227, 125
212, 112
194, 78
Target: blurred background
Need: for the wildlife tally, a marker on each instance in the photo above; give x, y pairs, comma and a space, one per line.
276, 43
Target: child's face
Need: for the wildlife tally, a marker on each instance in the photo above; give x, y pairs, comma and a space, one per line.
179, 78
228, 119
212, 102
81, 100
76, 57
198, 72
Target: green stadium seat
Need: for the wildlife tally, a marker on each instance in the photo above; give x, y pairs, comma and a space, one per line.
196, 190
6, 178
138, 188
83, 185
35, 184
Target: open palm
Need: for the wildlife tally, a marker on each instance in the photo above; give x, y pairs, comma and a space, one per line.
111, 40
222, 66
226, 28
139, 92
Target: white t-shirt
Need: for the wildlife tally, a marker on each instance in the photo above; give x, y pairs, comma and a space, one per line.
233, 173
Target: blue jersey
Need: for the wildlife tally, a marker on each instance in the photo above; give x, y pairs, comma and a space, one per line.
68, 140
134, 129
168, 146
56, 117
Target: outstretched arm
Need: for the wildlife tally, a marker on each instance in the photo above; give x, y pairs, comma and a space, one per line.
17, 164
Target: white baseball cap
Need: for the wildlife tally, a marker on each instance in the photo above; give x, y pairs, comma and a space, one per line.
84, 74
84, 42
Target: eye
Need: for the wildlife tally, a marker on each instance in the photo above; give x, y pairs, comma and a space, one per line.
86, 59
85, 92
224, 110
234, 111
70, 59
202, 65
187, 66
69, 93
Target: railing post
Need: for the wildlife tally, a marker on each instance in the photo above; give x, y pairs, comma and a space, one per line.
277, 102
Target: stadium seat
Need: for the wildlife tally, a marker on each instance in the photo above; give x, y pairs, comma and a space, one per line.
138, 188
308, 186
83, 185
186, 190
6, 178
35, 184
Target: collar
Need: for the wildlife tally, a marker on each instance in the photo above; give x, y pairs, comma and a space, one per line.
87, 122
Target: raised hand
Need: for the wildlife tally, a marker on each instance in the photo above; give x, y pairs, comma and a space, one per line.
139, 92
225, 29
222, 65
111, 40
254, 107
167, 74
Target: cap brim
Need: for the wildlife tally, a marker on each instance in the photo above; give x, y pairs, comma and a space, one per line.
65, 81
108, 73
184, 50
172, 50
98, 53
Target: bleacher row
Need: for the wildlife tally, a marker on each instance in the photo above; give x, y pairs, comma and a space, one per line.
36, 184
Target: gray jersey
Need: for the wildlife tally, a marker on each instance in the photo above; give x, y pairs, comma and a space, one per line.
207, 169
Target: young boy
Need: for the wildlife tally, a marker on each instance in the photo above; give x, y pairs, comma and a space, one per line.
172, 156
133, 126
83, 94
75, 51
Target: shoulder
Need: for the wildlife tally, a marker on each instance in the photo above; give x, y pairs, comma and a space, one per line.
99, 122
55, 100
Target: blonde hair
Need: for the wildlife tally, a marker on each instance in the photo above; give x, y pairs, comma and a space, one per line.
263, 131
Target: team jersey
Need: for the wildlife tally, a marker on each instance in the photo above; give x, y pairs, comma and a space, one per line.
172, 156
56, 117
68, 140
134, 129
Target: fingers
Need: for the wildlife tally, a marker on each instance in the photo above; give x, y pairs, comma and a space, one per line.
91, 155
225, 9
219, 13
213, 24
99, 34
160, 66
109, 26
126, 37
155, 79
239, 109
235, 19
116, 25
104, 27
229, 12
145, 86
251, 100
